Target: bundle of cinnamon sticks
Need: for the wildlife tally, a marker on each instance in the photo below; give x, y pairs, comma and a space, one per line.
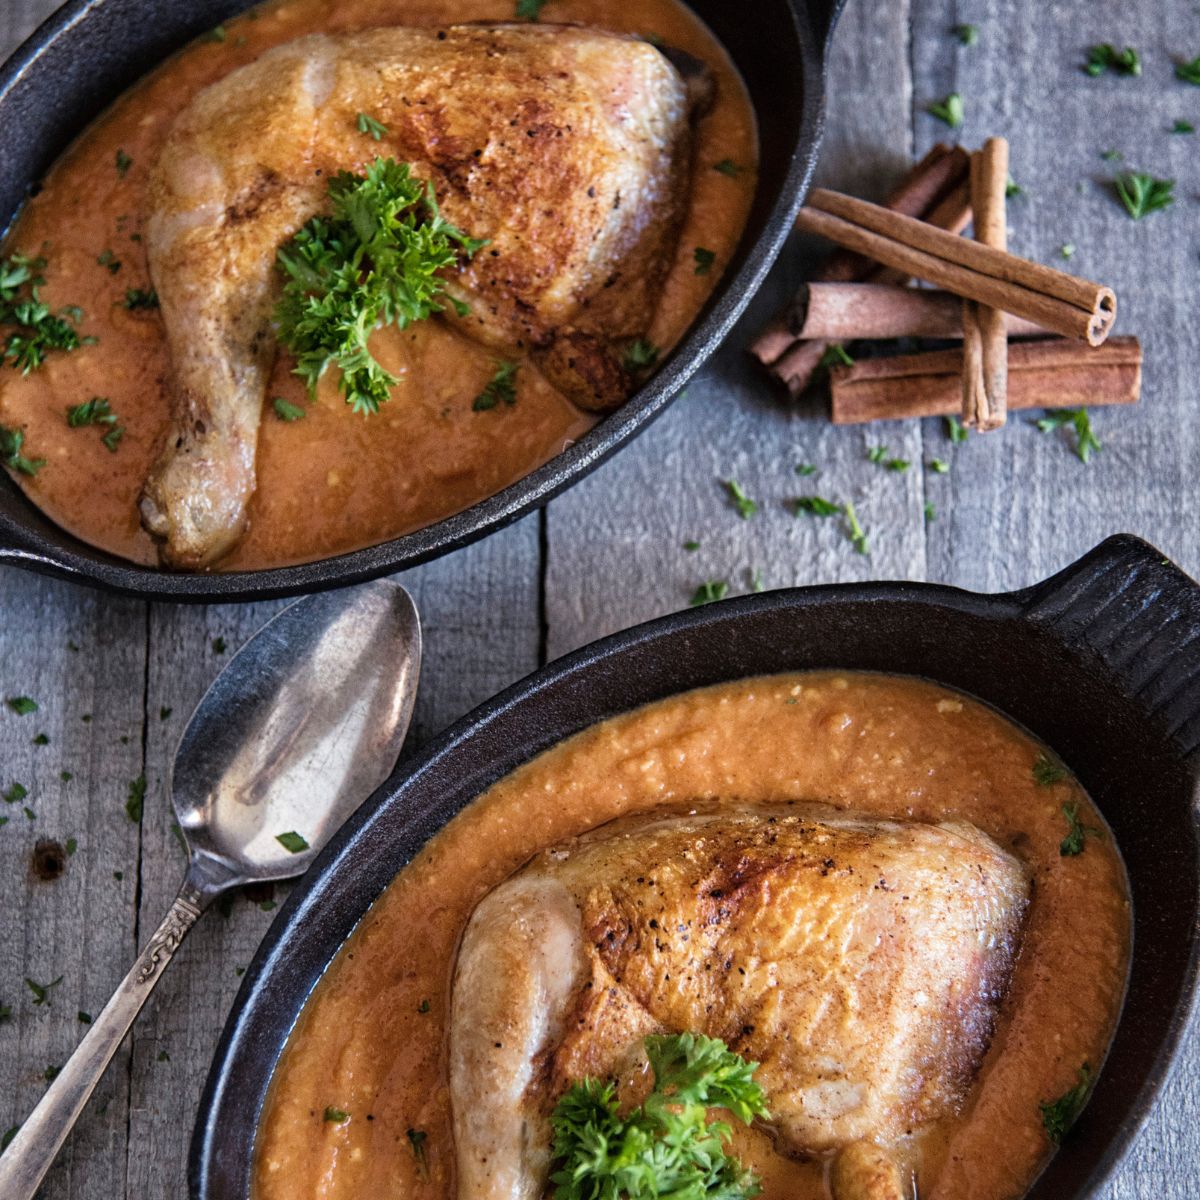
982, 294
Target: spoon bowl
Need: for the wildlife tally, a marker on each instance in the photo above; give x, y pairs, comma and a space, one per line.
304, 723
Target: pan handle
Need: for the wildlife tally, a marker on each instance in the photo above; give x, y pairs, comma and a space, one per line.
17, 551
824, 15
1127, 605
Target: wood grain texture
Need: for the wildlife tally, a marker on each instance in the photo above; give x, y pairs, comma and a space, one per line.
611, 552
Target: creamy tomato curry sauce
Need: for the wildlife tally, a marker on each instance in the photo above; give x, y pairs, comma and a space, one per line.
334, 481
371, 1043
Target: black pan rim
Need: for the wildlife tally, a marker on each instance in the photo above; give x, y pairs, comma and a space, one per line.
70, 557
309, 896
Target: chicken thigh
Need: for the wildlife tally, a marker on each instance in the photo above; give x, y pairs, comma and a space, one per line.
859, 961
566, 148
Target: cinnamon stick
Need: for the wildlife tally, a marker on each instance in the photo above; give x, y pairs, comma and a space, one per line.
1052, 374
1056, 301
935, 190
985, 336
842, 312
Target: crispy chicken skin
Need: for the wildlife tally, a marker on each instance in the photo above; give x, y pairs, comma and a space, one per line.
860, 961
566, 147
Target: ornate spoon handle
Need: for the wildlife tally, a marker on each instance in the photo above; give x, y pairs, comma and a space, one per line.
33, 1149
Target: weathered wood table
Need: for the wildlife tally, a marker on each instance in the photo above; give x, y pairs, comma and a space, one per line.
116, 679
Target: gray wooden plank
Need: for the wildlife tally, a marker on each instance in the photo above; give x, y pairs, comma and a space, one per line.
81, 658
615, 548
1019, 505
479, 612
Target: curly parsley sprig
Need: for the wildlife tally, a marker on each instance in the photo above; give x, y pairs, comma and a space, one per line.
376, 260
666, 1147
38, 329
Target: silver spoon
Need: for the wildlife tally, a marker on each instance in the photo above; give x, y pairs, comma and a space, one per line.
303, 724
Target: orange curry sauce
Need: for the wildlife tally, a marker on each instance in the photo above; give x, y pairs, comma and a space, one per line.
372, 1040
333, 481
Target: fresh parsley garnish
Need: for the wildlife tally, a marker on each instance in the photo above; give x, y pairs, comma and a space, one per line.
336, 1115
22, 705
1143, 194
108, 259
857, 535
709, 592
530, 10
1106, 57
728, 168
746, 508
416, 1140
377, 259
1073, 843
939, 466
968, 35
218, 645
500, 389
1111, 155
11, 441
1047, 772
370, 126
38, 329
1189, 72
756, 579
956, 431
15, 793
124, 162
216, 34
806, 468
41, 991
930, 512
640, 355
112, 437
136, 799
423, 1007
1012, 189
835, 356
42, 739
879, 455
950, 110
1067, 250
691, 546
1059, 1115
97, 411
285, 411
704, 260
1078, 419
292, 842
666, 1147
815, 506
140, 298
1182, 126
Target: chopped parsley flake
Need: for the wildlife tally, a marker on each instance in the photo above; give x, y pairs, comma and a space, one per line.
11, 441
709, 592
1067, 250
38, 329
835, 356
728, 168
500, 389
1181, 126
136, 799
336, 1115
416, 1139
879, 455
857, 534
691, 545
930, 512
968, 35
41, 991
1189, 72
140, 298
806, 469
22, 705
16, 792
640, 355
285, 411
292, 842
530, 10
1078, 419
816, 506
370, 126
1012, 189
1143, 194
1059, 1115
956, 431
1047, 772
218, 645
216, 34
1106, 57
939, 466
746, 508
1073, 843
124, 162
704, 260
108, 259
950, 110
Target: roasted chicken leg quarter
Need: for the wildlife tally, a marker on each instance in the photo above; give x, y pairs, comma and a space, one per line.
566, 148
860, 961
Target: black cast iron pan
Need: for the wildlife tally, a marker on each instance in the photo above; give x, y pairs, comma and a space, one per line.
1102, 662
91, 50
